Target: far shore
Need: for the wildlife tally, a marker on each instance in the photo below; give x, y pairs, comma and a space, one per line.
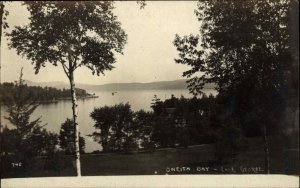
78, 97
63, 98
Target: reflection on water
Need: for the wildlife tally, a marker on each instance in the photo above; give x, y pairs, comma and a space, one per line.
54, 114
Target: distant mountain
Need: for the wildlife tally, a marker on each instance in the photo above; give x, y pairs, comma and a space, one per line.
58, 85
160, 85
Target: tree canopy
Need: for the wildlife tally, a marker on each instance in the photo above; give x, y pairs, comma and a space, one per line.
67, 138
39, 94
248, 49
71, 33
115, 124
26, 139
240, 42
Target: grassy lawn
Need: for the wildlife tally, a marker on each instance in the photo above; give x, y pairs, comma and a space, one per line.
193, 160
148, 163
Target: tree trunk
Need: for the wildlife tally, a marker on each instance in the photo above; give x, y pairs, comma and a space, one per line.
1, 21
266, 148
1, 17
76, 126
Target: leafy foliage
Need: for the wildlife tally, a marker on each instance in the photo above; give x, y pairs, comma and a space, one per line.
174, 122
27, 139
71, 33
74, 34
247, 49
144, 122
3, 14
116, 127
239, 42
230, 138
67, 138
37, 93
142, 3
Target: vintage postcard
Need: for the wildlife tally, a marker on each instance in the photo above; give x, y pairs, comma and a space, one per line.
149, 93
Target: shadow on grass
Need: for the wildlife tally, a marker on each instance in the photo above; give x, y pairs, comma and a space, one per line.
193, 160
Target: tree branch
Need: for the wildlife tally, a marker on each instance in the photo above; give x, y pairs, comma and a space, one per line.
65, 68
77, 66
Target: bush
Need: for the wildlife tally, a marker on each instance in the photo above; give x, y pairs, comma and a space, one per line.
130, 144
67, 138
56, 161
148, 144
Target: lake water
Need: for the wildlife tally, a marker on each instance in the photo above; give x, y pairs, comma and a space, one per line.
54, 114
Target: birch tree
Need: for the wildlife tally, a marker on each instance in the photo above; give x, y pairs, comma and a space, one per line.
70, 35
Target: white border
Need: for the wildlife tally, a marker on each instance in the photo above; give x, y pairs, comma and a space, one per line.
156, 181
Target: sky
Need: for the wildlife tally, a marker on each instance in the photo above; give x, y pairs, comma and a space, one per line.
148, 55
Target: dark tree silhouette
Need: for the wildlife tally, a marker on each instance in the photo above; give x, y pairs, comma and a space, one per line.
72, 34
247, 48
42, 94
144, 122
67, 138
116, 127
3, 24
26, 139
3, 14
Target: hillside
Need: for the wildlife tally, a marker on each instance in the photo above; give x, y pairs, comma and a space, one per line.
41, 94
160, 85
58, 85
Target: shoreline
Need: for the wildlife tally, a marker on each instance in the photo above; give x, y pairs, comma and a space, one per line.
61, 99
85, 97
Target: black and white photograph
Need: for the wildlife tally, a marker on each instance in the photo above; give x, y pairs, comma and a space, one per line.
149, 89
